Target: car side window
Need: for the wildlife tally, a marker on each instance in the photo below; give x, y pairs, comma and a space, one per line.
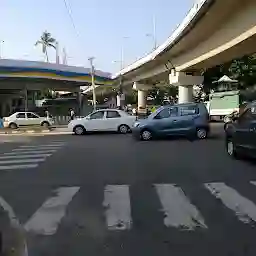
167, 112
20, 115
31, 115
113, 114
188, 110
97, 115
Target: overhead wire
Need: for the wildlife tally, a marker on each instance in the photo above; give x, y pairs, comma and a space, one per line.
70, 14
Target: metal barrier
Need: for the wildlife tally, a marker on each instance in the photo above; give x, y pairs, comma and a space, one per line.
63, 120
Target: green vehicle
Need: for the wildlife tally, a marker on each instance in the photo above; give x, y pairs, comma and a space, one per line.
222, 104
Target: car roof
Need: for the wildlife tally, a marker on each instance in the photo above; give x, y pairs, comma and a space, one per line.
108, 109
181, 104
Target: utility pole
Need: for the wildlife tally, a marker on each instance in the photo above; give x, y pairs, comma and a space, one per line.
91, 59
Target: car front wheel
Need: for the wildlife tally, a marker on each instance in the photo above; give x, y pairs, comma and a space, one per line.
13, 126
146, 135
79, 130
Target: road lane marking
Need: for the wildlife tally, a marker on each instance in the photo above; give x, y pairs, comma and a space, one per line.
31, 152
33, 149
253, 183
178, 211
20, 166
21, 161
118, 208
42, 146
244, 209
46, 219
24, 156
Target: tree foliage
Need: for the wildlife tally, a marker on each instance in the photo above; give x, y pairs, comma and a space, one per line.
243, 70
46, 41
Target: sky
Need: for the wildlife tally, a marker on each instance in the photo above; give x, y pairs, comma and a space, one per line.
102, 27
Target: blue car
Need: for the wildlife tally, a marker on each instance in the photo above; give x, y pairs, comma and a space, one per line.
188, 119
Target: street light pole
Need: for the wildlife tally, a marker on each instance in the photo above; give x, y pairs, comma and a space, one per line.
154, 32
1, 42
93, 82
153, 36
57, 53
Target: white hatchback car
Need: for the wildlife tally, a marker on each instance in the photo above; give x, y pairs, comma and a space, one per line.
103, 120
26, 119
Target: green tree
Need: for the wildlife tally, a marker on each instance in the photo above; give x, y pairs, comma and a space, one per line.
46, 41
243, 70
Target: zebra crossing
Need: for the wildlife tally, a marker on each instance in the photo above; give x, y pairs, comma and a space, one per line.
28, 156
178, 211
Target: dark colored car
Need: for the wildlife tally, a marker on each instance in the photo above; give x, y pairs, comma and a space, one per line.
241, 134
188, 119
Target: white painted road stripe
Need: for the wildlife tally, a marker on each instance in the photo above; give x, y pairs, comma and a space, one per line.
42, 146
253, 183
31, 152
24, 156
21, 161
46, 219
178, 210
17, 228
21, 166
33, 149
243, 207
118, 208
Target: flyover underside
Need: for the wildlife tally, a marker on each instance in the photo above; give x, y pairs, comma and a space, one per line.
16, 84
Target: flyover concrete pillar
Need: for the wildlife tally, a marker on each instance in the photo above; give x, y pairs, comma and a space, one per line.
185, 94
142, 94
120, 100
185, 83
142, 99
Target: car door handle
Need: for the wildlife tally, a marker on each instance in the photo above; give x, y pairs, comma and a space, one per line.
174, 121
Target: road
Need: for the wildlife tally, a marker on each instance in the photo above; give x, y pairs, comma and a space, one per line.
110, 195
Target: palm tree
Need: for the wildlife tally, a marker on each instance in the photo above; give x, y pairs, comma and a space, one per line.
47, 41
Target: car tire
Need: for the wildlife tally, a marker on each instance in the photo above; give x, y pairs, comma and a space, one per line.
45, 124
79, 130
231, 148
13, 126
201, 133
146, 135
123, 128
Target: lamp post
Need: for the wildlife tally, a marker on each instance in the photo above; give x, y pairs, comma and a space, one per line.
57, 53
153, 36
1, 42
91, 59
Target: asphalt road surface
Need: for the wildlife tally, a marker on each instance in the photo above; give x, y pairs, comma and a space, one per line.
110, 195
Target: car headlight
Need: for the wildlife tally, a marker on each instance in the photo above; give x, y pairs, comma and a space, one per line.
136, 124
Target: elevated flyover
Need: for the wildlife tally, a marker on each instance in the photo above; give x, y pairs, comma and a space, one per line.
213, 32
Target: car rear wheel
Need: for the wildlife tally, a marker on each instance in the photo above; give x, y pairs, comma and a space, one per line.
13, 126
123, 128
201, 133
79, 130
146, 135
45, 124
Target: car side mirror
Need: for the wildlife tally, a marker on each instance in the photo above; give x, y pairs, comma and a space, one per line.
157, 117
